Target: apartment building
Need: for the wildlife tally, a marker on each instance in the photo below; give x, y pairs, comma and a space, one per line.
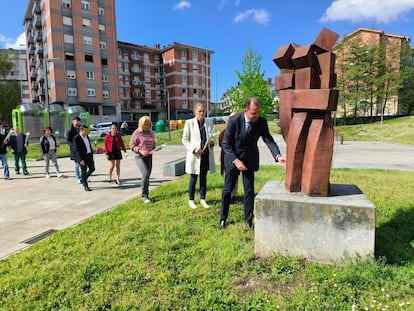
72, 45
164, 83
392, 45
18, 72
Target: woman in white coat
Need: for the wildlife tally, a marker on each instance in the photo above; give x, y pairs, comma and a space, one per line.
198, 140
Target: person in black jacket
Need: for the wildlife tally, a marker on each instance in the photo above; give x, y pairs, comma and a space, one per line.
3, 153
241, 154
84, 155
17, 144
48, 147
71, 133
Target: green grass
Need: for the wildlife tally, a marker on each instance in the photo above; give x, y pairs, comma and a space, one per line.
166, 256
400, 130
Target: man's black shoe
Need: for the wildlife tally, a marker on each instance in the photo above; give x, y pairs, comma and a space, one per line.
223, 224
26, 173
87, 188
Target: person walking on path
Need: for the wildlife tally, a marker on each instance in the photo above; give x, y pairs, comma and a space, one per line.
3, 154
114, 144
142, 143
18, 146
48, 148
198, 140
241, 154
124, 128
71, 133
84, 155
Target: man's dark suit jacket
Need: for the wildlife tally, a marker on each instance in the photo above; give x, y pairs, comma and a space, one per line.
80, 148
237, 145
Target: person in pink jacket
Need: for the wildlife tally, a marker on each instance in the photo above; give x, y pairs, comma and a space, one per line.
142, 144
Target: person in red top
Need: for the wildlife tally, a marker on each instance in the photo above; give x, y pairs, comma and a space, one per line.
142, 144
114, 144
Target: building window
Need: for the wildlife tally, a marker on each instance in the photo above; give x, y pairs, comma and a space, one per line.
90, 75
105, 94
195, 80
195, 91
195, 55
105, 77
86, 22
72, 91
101, 11
102, 45
184, 54
87, 40
104, 62
86, 5
67, 21
184, 79
71, 74
90, 92
66, 3
69, 56
101, 28
68, 38
89, 58
135, 55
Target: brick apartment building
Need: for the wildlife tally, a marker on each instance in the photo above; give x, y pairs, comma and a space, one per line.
74, 42
392, 45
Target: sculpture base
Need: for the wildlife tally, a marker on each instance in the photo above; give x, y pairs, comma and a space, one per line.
321, 229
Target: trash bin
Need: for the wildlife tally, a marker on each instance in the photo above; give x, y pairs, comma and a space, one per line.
160, 126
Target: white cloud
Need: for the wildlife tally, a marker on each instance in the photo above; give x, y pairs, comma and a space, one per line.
182, 5
18, 43
379, 11
260, 16
223, 3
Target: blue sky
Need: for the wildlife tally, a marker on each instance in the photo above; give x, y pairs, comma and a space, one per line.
230, 27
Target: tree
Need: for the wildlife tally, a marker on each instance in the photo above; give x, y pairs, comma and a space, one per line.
9, 90
252, 84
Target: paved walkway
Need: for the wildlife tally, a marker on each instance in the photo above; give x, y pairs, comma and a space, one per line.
32, 205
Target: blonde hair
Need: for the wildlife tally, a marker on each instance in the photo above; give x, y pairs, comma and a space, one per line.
141, 122
198, 105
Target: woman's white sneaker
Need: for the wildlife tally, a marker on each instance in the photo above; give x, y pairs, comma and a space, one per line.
192, 204
204, 203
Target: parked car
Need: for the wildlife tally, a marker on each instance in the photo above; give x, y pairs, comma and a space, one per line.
132, 126
100, 129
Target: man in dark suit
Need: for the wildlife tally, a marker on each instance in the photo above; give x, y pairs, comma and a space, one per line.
242, 154
84, 155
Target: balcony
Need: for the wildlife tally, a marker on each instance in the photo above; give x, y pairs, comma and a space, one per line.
135, 58
36, 7
138, 83
37, 21
136, 71
38, 35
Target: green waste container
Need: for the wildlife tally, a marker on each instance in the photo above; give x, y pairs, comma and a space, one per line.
160, 126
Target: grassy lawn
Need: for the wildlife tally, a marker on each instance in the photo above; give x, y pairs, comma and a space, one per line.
166, 256
399, 130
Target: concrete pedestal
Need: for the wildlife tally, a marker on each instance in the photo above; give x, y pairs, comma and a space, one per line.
321, 229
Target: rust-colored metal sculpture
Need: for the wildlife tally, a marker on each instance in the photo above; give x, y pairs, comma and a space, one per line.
305, 85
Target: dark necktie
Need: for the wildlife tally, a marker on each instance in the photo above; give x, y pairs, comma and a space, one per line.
248, 128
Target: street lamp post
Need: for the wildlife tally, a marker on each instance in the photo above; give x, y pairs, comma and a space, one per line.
168, 115
46, 85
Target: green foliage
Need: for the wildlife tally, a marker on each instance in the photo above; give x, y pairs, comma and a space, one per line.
9, 91
252, 84
166, 256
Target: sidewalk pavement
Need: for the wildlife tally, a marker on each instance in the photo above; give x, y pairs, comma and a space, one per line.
33, 206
